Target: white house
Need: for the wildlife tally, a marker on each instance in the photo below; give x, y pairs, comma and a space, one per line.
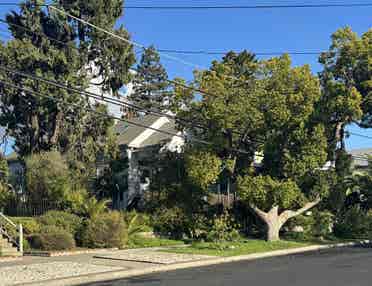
141, 146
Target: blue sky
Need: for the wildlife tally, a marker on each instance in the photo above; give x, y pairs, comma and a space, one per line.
256, 30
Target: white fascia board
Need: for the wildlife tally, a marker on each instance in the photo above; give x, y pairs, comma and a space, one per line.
136, 143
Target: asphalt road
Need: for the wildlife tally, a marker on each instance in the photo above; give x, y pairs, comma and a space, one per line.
342, 267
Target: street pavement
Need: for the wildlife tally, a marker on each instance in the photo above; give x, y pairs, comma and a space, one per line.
338, 267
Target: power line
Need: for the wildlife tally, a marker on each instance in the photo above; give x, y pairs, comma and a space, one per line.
221, 53
121, 119
101, 97
250, 7
131, 122
114, 35
225, 7
198, 90
359, 135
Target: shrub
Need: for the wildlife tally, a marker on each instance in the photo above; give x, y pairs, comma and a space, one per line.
74, 201
30, 225
135, 223
47, 177
52, 239
306, 222
323, 223
354, 223
171, 222
66, 221
223, 228
107, 230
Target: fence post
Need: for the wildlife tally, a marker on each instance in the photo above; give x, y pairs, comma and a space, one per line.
20, 238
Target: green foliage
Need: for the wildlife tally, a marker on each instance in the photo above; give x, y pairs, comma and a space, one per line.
78, 57
354, 223
235, 248
105, 231
265, 192
52, 239
323, 223
150, 82
5, 191
138, 241
47, 177
69, 222
75, 200
30, 225
92, 208
346, 78
223, 228
203, 168
172, 223
4, 170
135, 223
6, 195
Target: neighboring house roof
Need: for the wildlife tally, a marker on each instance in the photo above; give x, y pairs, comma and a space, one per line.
139, 137
158, 137
360, 153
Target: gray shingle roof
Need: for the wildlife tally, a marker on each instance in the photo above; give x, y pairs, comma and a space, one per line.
158, 137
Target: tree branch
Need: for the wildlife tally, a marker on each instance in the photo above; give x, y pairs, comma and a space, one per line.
259, 212
289, 214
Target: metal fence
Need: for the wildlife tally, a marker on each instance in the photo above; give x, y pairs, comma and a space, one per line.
24, 208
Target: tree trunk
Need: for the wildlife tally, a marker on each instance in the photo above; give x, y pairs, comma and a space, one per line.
274, 221
273, 229
57, 128
273, 224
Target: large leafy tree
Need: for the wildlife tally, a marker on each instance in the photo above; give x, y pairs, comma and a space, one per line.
228, 113
79, 55
263, 106
346, 84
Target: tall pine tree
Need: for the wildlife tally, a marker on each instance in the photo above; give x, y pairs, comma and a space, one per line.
151, 89
58, 48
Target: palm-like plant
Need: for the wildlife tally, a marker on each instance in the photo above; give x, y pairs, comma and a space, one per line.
134, 224
93, 208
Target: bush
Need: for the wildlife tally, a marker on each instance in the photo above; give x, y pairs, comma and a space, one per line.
47, 177
354, 223
323, 226
52, 239
306, 222
135, 223
105, 231
223, 228
30, 225
171, 223
69, 222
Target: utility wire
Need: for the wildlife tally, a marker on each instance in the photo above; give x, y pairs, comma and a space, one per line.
221, 53
121, 119
359, 135
112, 34
142, 108
102, 97
225, 7
139, 124
250, 7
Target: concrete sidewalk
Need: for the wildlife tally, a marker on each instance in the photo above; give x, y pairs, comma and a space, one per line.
111, 265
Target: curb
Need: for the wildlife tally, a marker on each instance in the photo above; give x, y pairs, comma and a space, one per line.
115, 275
67, 253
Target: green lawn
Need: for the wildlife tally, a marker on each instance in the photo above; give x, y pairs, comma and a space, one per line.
141, 242
236, 248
